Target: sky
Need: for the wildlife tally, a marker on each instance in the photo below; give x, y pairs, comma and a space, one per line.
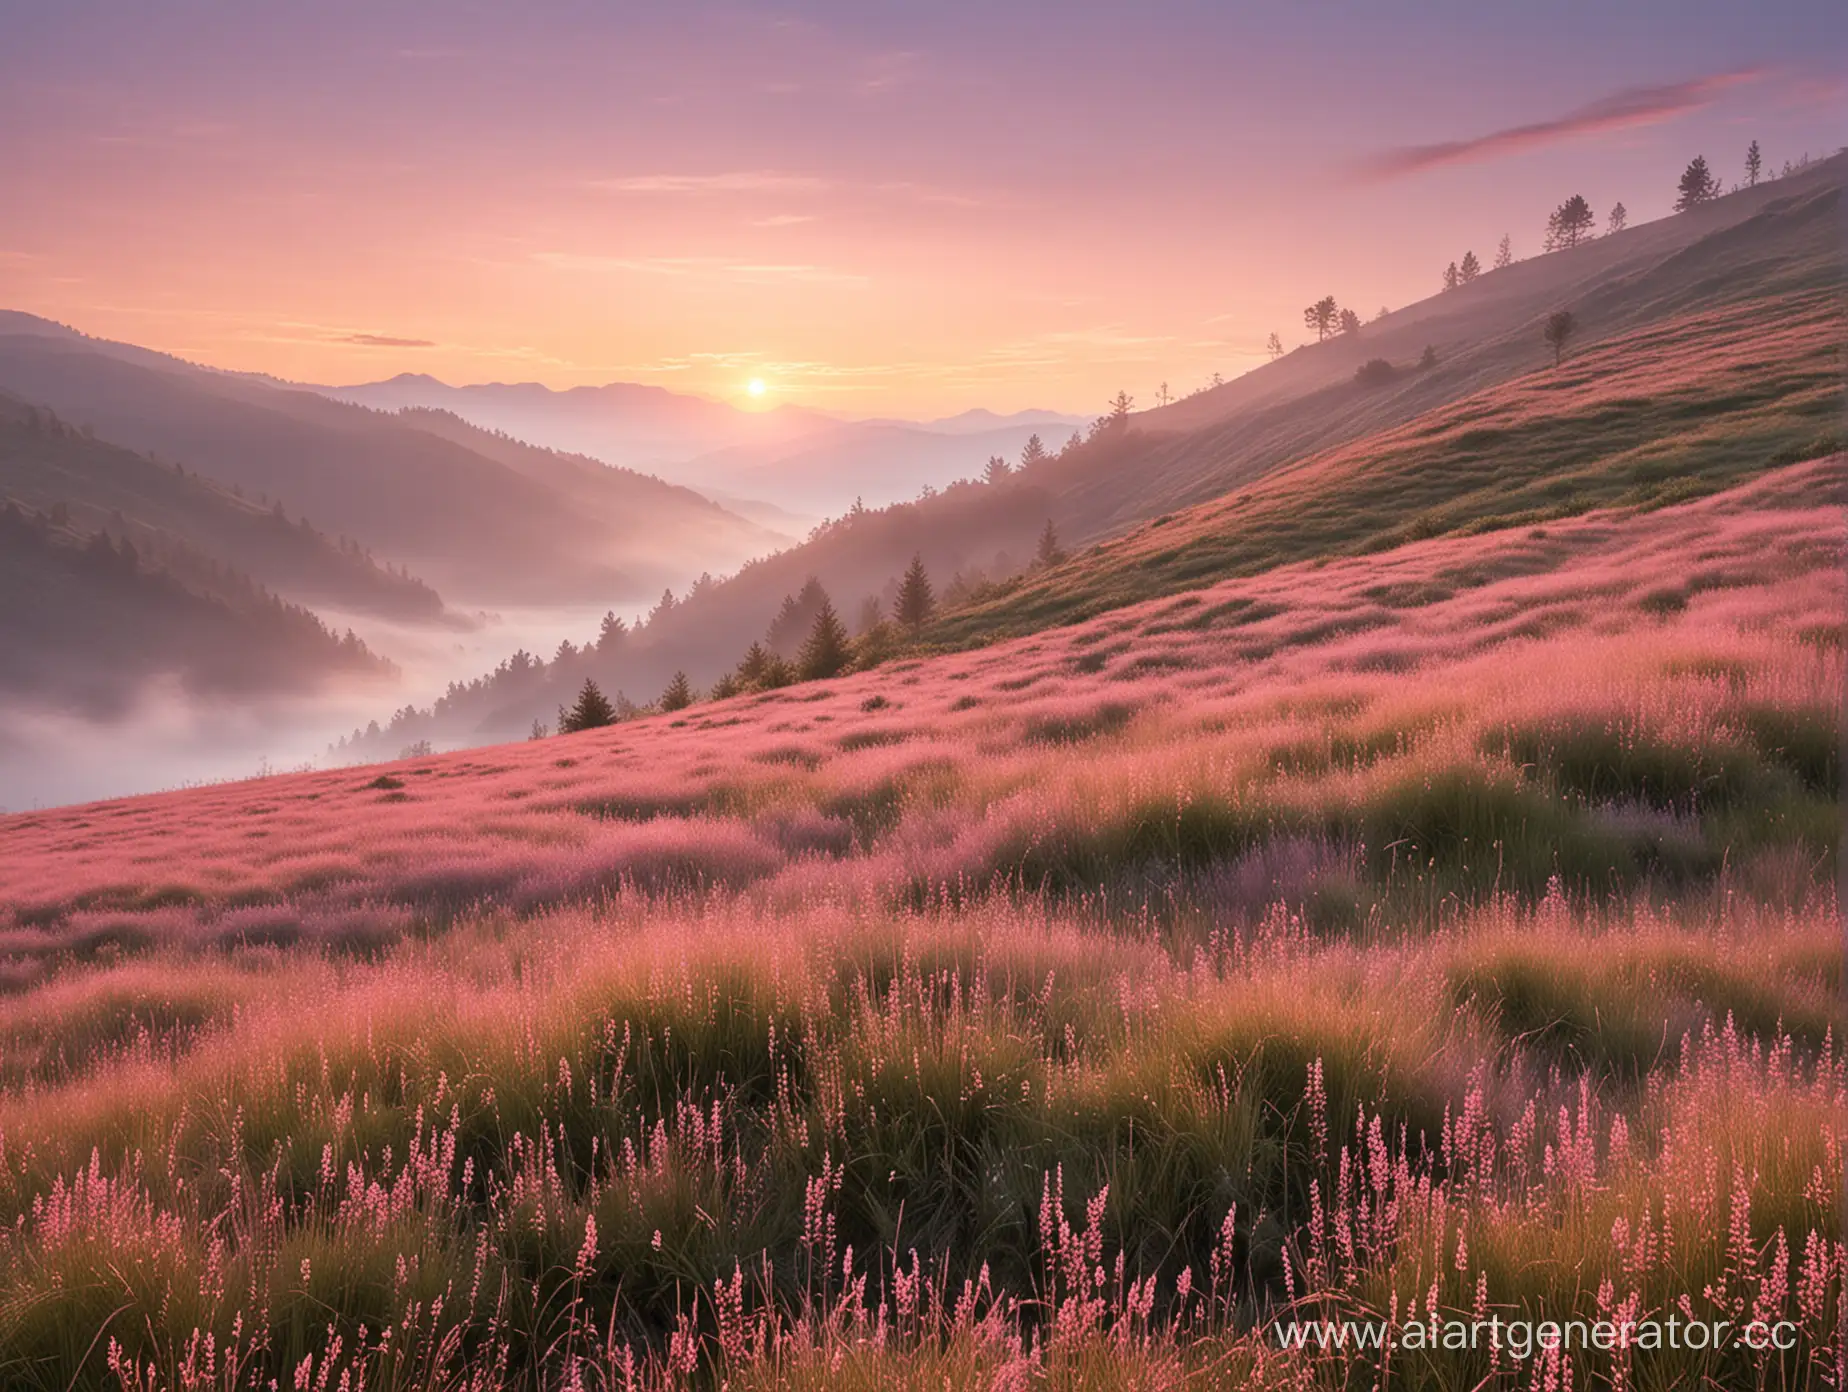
873, 208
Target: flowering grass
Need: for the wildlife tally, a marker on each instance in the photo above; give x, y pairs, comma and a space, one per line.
1447, 933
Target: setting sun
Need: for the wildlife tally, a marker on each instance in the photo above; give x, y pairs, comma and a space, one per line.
755, 386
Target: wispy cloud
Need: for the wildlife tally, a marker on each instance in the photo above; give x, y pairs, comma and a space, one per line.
1634, 106
701, 268
733, 181
372, 340
783, 220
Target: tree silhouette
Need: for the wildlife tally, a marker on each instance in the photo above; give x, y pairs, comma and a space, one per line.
1569, 224
1322, 317
1504, 254
1470, 269
1274, 345
1620, 216
1697, 185
611, 634
1049, 552
1033, 452
679, 693
1753, 163
1560, 326
1350, 322
997, 470
825, 651
915, 600
1120, 406
590, 711
1427, 359
1452, 276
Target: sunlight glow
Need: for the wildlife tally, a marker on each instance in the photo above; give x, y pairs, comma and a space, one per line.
756, 386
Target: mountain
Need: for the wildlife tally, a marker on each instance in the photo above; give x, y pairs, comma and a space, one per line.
86, 622
802, 461
483, 531
49, 467
1779, 236
873, 463
1708, 350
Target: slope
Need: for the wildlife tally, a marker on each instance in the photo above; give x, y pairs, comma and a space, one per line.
189, 521
481, 530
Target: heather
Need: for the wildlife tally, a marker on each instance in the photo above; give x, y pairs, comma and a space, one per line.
1441, 932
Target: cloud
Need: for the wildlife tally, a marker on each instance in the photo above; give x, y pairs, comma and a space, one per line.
370, 340
1634, 106
736, 181
700, 268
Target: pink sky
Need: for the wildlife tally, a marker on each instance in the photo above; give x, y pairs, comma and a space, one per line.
884, 214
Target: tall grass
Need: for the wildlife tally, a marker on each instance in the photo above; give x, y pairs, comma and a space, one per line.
1478, 956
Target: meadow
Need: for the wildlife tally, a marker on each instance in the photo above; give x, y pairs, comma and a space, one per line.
1420, 935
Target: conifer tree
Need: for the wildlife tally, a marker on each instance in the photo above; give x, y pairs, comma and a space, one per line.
591, 711
1469, 269
1050, 552
679, 693
1560, 326
1697, 185
825, 651
915, 599
1753, 163
1504, 254
1033, 452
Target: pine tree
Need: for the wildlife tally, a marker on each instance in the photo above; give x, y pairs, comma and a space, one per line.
1569, 224
1120, 406
1697, 185
1753, 163
1274, 345
997, 471
611, 634
1050, 552
679, 693
825, 652
1033, 452
1452, 276
1620, 217
755, 662
1350, 322
1469, 269
1504, 254
1322, 316
591, 711
915, 600
1560, 326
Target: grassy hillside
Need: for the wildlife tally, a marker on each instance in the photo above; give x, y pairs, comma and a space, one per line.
189, 520
480, 529
1651, 415
1780, 238
1445, 929
1708, 348
88, 623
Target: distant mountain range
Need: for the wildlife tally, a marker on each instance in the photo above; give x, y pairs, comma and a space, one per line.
804, 462
485, 524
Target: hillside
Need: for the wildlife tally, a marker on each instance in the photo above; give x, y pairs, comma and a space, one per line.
46, 465
1708, 350
483, 532
1284, 925
87, 623
1783, 237
1685, 406
799, 460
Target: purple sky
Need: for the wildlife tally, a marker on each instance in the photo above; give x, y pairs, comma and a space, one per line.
871, 207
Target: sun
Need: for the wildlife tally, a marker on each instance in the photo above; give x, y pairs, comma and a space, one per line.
756, 386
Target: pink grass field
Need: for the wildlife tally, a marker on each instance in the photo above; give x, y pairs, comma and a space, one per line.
1417, 937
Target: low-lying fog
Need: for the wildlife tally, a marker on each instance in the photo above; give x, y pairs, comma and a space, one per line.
169, 739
